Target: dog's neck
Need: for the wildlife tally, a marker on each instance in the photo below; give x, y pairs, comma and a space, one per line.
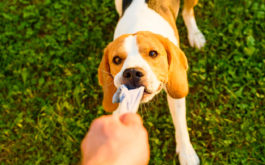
139, 17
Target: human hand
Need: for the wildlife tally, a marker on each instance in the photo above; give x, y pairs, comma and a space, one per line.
113, 140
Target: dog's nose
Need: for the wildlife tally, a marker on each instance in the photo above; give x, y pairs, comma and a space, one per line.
132, 73
132, 77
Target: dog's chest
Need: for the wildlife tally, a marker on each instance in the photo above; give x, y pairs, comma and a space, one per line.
139, 17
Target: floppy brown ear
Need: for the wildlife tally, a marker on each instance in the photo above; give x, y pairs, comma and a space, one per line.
177, 85
106, 81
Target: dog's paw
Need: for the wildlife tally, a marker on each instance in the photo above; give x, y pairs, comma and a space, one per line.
188, 156
196, 39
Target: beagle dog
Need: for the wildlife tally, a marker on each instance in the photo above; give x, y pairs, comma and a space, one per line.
145, 52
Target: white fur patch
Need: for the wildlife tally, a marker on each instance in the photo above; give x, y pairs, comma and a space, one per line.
118, 5
139, 17
195, 36
133, 60
187, 154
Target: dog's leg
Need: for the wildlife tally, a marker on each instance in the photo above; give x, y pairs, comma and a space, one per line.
118, 5
187, 155
195, 36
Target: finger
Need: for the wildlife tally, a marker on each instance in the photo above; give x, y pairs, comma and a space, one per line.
130, 119
101, 121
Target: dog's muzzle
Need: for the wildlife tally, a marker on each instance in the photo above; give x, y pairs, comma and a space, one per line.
133, 77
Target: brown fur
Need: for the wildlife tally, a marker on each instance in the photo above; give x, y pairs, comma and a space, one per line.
148, 41
177, 85
170, 66
169, 9
107, 70
189, 4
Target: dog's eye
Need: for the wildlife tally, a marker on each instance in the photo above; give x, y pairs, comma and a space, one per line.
153, 53
117, 60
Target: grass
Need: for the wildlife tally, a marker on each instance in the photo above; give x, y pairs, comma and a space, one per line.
49, 94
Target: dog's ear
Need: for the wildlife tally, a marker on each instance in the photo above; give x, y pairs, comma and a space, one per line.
177, 84
106, 81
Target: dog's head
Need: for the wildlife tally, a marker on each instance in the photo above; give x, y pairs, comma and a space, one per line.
142, 59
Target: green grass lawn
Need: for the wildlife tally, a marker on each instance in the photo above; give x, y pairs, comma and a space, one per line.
49, 92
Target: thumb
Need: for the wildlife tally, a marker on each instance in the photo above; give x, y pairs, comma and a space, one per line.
131, 119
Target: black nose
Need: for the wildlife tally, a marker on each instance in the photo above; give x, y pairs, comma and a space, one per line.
132, 77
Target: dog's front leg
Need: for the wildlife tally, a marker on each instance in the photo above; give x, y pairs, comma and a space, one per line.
187, 155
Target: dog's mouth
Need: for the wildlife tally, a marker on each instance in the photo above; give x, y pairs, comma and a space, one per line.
148, 94
146, 91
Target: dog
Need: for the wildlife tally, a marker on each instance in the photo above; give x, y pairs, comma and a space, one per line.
145, 52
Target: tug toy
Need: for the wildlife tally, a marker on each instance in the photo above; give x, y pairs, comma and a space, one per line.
128, 100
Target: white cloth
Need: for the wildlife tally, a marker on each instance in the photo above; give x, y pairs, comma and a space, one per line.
129, 99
